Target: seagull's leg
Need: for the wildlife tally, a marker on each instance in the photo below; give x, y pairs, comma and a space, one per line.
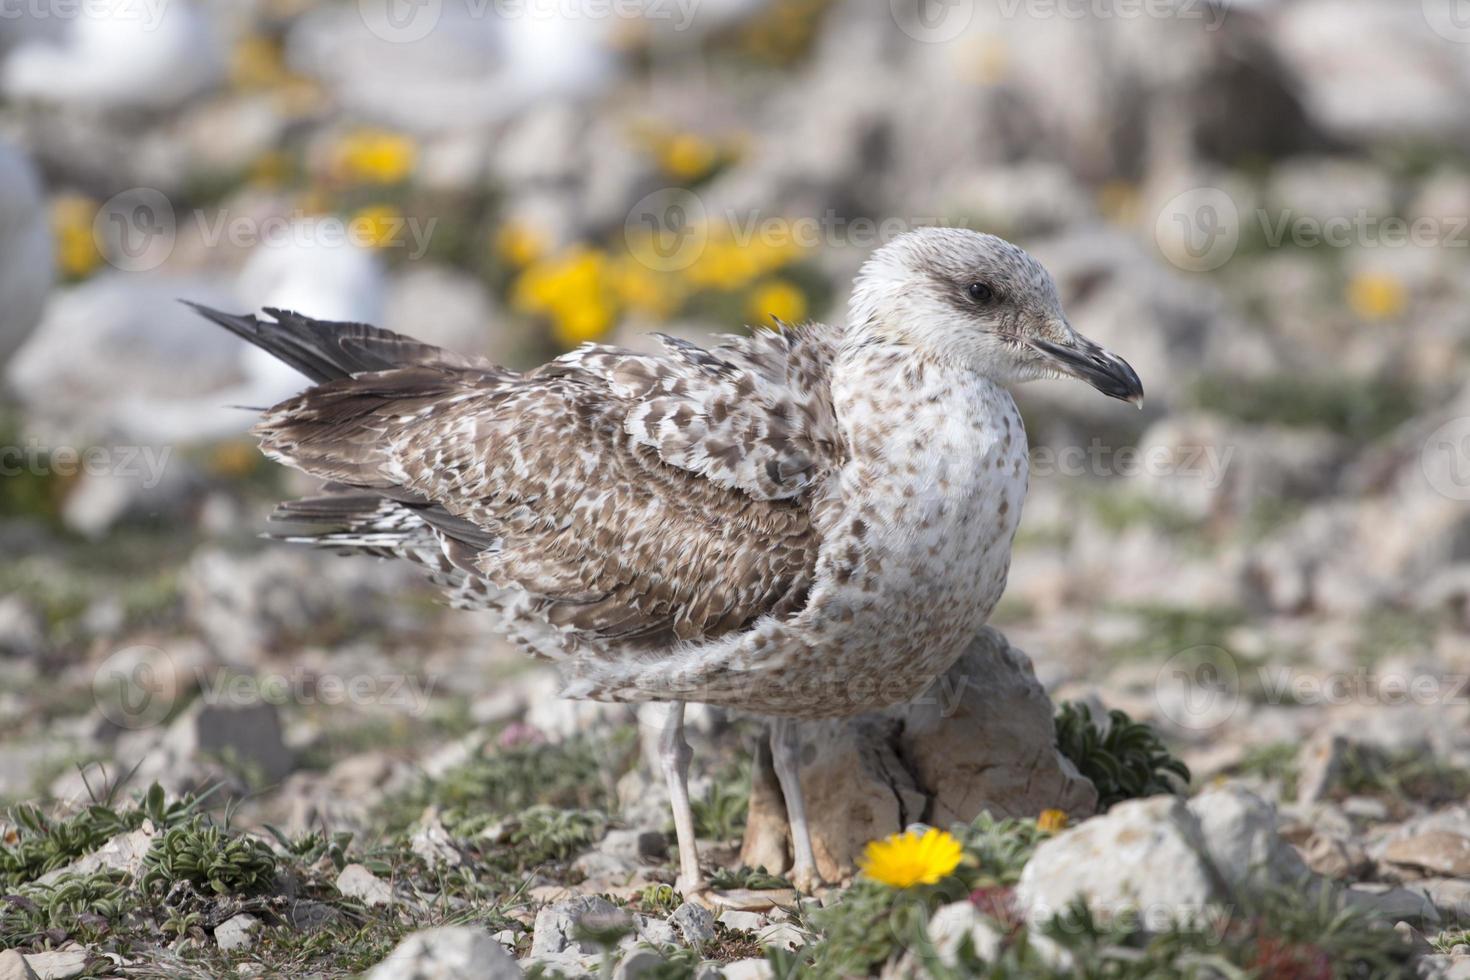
786, 755
675, 754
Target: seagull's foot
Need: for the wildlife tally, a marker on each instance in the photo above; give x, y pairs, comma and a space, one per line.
806, 879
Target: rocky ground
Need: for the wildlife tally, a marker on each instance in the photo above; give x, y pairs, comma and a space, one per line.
1237, 742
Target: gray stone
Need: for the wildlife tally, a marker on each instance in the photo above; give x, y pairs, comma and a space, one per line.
742, 921
657, 932
783, 935
1391, 903
1241, 840
980, 739
1335, 857
1439, 852
1113, 862
696, 922
358, 882
62, 964
447, 953
637, 963
237, 932
431, 841
1449, 896
556, 926
13, 966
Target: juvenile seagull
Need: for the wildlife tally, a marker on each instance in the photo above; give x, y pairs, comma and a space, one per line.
804, 523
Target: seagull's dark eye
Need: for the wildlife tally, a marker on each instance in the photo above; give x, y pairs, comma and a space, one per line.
979, 292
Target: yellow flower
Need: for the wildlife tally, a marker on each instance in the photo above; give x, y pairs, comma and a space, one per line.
573, 290
1051, 821
376, 157
72, 216
1375, 296
777, 298
687, 157
379, 225
519, 244
908, 859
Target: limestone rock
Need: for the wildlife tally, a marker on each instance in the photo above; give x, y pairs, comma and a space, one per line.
358, 882
61, 964
13, 966
981, 738
1438, 852
696, 923
1241, 840
1114, 862
447, 953
556, 926
237, 932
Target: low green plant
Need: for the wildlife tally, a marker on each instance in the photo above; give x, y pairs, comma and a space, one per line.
755, 879
209, 857
542, 833
1125, 759
719, 814
44, 843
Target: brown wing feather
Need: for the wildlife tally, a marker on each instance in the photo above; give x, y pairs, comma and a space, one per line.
606, 536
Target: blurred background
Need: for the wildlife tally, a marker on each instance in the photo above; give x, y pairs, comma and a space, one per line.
1263, 205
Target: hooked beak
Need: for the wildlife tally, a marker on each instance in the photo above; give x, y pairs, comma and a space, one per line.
1086, 361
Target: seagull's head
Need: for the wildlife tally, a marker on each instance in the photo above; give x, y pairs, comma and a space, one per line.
961, 297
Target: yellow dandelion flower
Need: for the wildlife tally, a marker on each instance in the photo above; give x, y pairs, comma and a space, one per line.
777, 298
586, 321
908, 859
1051, 821
377, 226
1376, 296
687, 157
519, 244
376, 157
642, 290
72, 215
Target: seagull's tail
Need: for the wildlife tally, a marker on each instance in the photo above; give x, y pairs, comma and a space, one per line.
326, 350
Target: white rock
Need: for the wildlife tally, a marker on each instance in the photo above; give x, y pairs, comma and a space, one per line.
431, 841
637, 963
125, 852
13, 966
358, 882
782, 935
60, 964
748, 970
742, 921
237, 932
1113, 862
556, 926
696, 922
1239, 831
25, 239
955, 922
447, 953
